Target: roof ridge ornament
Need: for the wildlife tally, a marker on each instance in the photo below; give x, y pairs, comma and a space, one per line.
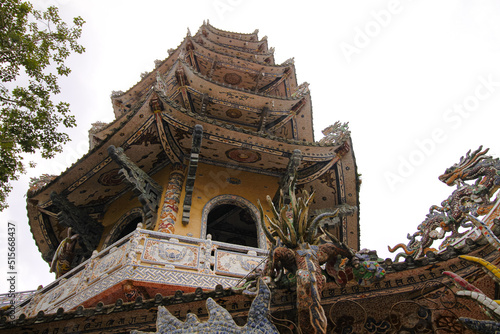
336, 133
289, 61
302, 90
462, 209
160, 84
116, 93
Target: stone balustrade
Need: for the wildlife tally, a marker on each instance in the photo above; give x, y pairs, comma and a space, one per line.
147, 257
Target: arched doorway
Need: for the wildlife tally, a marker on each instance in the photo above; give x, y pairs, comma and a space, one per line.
232, 224
125, 225
232, 219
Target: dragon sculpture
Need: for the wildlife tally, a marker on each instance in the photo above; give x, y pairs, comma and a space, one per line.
297, 255
466, 201
63, 257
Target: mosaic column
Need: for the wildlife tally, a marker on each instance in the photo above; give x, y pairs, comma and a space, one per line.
170, 207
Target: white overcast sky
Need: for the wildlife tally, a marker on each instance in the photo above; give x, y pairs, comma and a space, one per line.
418, 82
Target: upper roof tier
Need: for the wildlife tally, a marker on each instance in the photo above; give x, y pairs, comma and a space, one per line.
234, 40
235, 35
232, 78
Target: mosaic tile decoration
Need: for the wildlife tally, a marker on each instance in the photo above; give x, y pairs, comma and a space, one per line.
236, 264
170, 207
109, 263
147, 256
165, 252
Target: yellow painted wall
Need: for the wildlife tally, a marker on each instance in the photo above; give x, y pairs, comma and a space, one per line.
127, 202
212, 181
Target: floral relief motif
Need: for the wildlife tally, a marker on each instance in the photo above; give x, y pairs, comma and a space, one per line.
235, 264
178, 254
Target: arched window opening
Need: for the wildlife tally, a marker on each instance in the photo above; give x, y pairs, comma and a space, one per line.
124, 226
232, 224
129, 228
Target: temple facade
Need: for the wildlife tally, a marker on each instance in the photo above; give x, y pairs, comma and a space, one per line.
168, 209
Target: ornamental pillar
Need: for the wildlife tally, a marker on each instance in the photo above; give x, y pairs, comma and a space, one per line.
170, 206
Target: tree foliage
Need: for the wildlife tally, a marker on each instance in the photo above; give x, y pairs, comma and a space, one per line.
34, 45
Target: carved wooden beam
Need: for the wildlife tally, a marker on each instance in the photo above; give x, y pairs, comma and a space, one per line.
90, 231
183, 87
166, 140
191, 174
276, 82
263, 119
204, 101
147, 190
191, 56
212, 68
285, 119
257, 81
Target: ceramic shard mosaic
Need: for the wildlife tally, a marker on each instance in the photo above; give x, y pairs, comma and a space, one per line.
180, 255
237, 264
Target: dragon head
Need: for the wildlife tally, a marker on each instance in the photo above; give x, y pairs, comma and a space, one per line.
458, 171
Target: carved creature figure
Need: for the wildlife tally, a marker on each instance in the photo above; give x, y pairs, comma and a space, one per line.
475, 198
473, 166
456, 210
336, 133
297, 250
63, 257
427, 232
219, 321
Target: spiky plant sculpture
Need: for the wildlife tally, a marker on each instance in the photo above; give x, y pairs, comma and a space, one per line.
291, 223
294, 236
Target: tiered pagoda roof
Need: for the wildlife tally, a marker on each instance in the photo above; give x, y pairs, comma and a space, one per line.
254, 115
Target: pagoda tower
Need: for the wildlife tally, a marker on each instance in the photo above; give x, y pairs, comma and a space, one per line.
167, 197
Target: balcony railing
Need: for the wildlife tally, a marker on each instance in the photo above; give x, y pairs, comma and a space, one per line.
16, 297
146, 256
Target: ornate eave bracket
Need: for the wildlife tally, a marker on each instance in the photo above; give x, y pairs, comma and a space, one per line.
90, 230
191, 174
263, 120
147, 190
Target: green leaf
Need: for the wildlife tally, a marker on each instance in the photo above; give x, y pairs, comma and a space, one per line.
30, 41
